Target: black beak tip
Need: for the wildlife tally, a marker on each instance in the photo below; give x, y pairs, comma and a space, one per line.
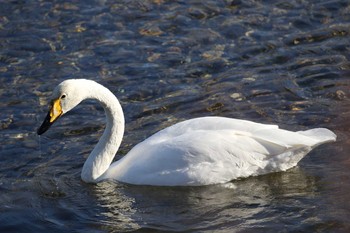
42, 129
45, 125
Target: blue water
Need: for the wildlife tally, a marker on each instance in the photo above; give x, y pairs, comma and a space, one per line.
278, 62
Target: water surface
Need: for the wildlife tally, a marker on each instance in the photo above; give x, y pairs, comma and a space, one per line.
275, 62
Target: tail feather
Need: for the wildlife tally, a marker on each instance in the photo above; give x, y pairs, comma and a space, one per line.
321, 135
293, 155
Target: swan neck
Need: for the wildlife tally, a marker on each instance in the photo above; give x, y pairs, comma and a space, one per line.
102, 155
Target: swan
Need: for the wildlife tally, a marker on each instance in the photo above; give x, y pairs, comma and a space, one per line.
199, 151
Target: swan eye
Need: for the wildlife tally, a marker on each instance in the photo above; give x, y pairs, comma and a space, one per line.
63, 96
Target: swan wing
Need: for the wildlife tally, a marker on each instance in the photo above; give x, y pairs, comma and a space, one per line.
212, 150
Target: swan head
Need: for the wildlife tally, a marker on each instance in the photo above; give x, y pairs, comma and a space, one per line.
65, 97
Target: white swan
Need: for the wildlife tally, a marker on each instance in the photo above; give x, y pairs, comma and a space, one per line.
201, 151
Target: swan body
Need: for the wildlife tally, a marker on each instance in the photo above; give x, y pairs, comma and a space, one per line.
200, 151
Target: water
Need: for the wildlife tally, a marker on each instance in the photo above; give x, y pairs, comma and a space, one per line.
277, 62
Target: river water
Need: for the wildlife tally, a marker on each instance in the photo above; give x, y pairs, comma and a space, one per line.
276, 62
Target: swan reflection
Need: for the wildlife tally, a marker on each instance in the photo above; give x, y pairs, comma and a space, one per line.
254, 202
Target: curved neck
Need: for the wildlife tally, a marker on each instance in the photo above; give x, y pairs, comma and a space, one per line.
102, 155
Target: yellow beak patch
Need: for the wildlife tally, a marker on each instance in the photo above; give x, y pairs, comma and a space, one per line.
56, 110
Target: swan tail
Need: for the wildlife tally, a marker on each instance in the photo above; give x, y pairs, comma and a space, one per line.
320, 135
294, 153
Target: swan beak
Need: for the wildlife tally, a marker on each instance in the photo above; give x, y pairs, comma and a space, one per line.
54, 113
